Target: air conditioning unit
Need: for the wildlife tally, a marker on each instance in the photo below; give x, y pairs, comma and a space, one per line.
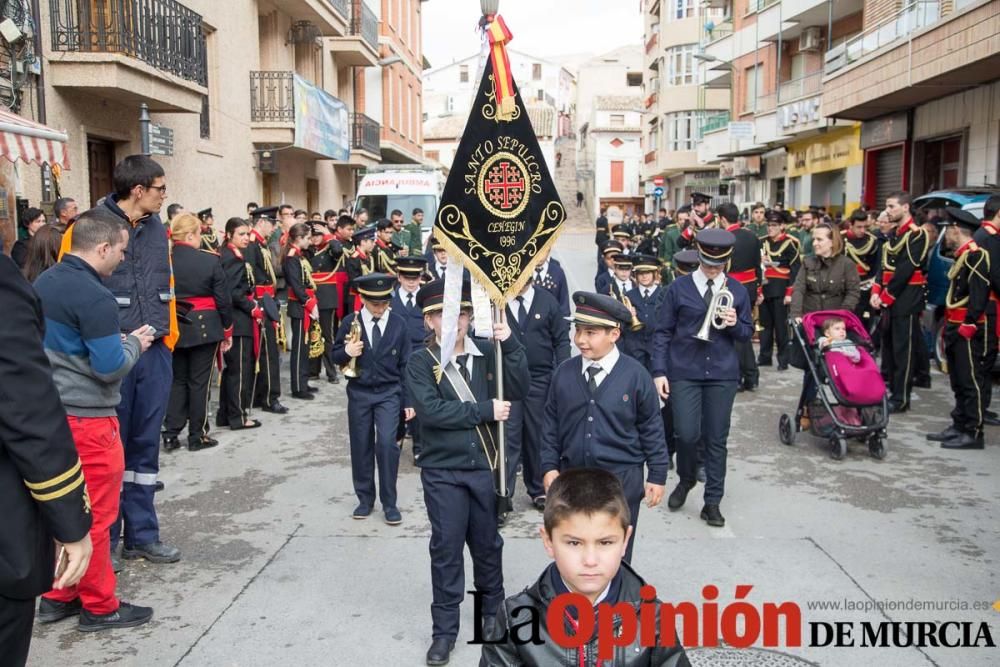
810, 39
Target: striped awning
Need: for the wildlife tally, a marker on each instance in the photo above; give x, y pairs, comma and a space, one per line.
23, 139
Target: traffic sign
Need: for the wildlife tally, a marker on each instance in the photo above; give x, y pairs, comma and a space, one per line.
658, 192
657, 180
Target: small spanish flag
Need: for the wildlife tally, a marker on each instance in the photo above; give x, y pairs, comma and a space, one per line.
499, 35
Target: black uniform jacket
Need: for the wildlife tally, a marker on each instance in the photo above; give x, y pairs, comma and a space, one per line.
42, 490
199, 273
904, 269
447, 423
239, 278
384, 368
539, 596
639, 344
783, 252
298, 278
258, 255
545, 336
866, 253
970, 283
324, 266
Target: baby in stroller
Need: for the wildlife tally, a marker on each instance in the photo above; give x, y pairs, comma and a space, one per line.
843, 394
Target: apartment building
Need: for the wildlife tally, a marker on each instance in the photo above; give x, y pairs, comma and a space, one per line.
676, 101
249, 100
923, 79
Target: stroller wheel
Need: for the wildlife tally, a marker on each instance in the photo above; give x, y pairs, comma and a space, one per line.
876, 447
838, 448
786, 432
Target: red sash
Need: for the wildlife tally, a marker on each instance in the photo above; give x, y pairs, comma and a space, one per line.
957, 315
918, 277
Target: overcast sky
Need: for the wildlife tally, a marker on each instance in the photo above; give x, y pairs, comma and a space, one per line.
540, 27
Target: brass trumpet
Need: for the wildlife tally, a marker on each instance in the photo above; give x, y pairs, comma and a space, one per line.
350, 369
715, 318
635, 325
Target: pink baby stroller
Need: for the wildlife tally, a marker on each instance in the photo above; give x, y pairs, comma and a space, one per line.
851, 399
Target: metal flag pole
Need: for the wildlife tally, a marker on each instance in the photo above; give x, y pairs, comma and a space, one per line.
501, 439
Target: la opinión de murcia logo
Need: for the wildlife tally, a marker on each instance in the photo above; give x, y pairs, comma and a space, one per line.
737, 624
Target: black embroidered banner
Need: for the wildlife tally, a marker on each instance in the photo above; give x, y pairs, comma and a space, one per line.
500, 208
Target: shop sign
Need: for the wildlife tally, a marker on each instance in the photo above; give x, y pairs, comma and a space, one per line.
799, 113
890, 129
834, 150
701, 179
741, 130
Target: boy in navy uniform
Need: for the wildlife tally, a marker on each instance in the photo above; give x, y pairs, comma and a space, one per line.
457, 410
965, 334
539, 326
603, 410
410, 271
606, 273
703, 375
585, 532
549, 275
375, 397
645, 297
360, 263
258, 255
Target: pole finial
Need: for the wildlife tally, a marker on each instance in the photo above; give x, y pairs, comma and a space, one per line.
489, 7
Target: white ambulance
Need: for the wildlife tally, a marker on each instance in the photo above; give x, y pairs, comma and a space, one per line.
386, 188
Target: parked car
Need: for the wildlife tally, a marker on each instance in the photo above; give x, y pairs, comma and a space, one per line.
940, 262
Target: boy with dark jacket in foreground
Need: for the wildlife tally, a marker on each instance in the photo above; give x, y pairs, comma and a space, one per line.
586, 530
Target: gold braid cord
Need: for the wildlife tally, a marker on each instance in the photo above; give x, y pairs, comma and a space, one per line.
489, 110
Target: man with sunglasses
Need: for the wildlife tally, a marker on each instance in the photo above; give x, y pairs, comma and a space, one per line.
143, 287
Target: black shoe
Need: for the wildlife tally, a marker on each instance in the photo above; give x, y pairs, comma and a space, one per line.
156, 552
361, 512
158, 486
171, 443
749, 385
393, 517
700, 474
126, 616
538, 503
302, 395
963, 441
678, 495
312, 390
220, 420
740, 389
276, 407
923, 383
991, 421
763, 362
782, 367
50, 611
991, 414
897, 408
204, 442
333, 379
440, 651
711, 515
946, 434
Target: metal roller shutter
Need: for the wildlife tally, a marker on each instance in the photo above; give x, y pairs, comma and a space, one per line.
889, 173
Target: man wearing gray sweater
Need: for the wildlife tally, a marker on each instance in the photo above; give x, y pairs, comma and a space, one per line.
89, 358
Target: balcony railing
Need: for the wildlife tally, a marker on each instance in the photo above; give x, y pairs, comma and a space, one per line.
715, 122
810, 84
723, 29
272, 97
365, 133
759, 5
162, 33
364, 23
766, 103
339, 6
914, 16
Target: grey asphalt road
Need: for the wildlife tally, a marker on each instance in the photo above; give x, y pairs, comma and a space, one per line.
275, 571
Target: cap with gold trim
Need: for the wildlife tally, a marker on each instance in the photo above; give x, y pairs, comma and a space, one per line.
375, 286
714, 246
599, 310
430, 298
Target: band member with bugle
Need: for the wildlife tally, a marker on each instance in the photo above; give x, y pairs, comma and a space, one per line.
207, 326
324, 265
454, 401
745, 267
236, 392
696, 366
376, 342
303, 308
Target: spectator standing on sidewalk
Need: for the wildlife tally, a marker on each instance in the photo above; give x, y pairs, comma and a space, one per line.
89, 358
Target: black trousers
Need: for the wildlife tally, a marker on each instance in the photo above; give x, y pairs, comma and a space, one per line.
990, 355
189, 392
901, 343
773, 315
372, 421
524, 439
268, 383
299, 360
702, 412
236, 393
749, 373
325, 361
16, 618
967, 376
461, 507
667, 413
866, 314
635, 490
